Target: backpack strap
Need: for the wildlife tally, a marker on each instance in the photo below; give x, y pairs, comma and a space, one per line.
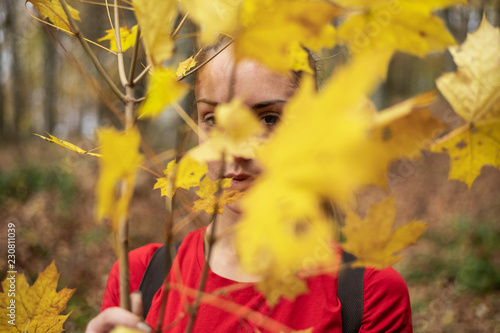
350, 294
155, 276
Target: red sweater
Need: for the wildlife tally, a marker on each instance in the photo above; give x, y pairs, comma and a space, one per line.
386, 303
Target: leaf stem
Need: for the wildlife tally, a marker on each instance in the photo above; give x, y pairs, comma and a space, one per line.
91, 54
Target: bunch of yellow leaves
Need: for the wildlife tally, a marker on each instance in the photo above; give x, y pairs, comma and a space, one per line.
386, 26
185, 175
213, 195
280, 27
474, 93
36, 307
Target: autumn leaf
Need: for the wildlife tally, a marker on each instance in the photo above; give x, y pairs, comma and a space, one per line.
373, 240
67, 145
388, 26
213, 17
280, 27
281, 237
400, 131
186, 174
53, 10
235, 134
474, 93
37, 307
127, 37
118, 166
163, 90
209, 196
325, 134
156, 18
185, 66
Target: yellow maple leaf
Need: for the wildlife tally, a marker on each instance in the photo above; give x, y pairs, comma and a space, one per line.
163, 90
185, 66
474, 93
280, 26
213, 17
67, 145
127, 37
284, 234
235, 134
53, 10
35, 308
156, 18
400, 131
187, 174
373, 241
388, 26
209, 196
326, 134
119, 163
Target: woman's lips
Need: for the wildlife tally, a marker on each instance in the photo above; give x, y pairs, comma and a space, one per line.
239, 181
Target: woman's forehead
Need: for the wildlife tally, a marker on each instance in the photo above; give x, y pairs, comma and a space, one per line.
246, 79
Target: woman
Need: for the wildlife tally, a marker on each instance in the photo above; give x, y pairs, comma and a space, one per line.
386, 306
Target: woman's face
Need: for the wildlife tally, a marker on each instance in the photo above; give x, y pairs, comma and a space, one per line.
262, 90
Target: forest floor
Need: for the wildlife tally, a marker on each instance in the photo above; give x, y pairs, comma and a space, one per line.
453, 272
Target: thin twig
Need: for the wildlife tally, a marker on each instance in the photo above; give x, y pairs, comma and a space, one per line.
175, 32
91, 54
102, 4
121, 65
193, 310
205, 62
134, 57
190, 122
142, 75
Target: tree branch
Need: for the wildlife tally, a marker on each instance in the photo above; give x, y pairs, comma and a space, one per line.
91, 54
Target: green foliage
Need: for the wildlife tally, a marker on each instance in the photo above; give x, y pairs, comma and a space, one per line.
22, 182
466, 254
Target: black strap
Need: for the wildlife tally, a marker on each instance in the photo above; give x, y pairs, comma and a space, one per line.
154, 276
350, 294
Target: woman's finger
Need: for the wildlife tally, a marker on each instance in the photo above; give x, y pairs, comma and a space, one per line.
136, 303
110, 318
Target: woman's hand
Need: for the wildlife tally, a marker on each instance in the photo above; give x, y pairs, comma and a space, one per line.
115, 316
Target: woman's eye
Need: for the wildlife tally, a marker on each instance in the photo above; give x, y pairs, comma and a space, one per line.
209, 120
270, 119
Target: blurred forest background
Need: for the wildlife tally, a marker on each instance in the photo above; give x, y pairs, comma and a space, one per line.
49, 85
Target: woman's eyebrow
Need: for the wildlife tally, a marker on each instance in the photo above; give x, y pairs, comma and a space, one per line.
267, 103
206, 101
256, 106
